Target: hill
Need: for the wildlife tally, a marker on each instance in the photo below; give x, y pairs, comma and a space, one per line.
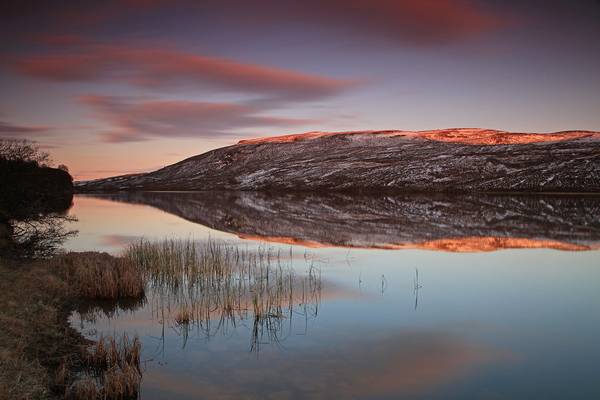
462, 160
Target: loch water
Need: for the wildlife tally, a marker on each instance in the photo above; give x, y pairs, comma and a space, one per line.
413, 296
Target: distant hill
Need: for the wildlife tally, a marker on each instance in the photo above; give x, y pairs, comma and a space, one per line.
462, 160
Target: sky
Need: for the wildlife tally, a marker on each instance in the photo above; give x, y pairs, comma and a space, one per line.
125, 86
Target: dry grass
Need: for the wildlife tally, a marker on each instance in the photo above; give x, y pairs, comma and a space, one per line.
108, 353
40, 353
84, 388
63, 372
121, 383
21, 378
112, 370
100, 276
35, 337
113, 384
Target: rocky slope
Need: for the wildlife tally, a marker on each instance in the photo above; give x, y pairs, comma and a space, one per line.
449, 222
376, 161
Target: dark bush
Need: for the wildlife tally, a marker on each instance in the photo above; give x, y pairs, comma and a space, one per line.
28, 189
33, 199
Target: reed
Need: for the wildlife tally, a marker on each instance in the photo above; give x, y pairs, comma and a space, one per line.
108, 353
121, 383
183, 316
213, 285
113, 370
100, 276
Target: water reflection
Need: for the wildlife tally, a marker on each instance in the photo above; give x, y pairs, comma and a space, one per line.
390, 365
265, 302
456, 223
505, 324
35, 229
212, 287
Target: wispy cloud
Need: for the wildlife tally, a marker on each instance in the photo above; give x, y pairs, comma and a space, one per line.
417, 22
9, 130
136, 120
161, 68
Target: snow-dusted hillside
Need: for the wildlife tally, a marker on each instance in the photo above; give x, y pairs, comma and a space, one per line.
377, 161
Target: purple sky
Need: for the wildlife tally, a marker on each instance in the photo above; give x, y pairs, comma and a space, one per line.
124, 86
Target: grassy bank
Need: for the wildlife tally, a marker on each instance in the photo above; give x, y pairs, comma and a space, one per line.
41, 355
35, 337
207, 286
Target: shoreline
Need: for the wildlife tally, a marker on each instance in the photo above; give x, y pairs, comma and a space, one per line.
42, 355
349, 192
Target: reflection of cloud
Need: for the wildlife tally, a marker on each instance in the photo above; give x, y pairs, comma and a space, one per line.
406, 363
134, 121
119, 240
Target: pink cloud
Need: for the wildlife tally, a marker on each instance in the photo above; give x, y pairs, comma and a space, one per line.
164, 68
420, 22
416, 21
139, 120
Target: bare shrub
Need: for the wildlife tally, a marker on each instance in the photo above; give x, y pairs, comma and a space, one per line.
23, 150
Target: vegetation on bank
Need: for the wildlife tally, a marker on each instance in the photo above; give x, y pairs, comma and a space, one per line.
30, 185
33, 202
100, 276
113, 370
41, 355
209, 285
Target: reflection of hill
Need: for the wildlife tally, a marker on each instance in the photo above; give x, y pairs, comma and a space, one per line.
436, 222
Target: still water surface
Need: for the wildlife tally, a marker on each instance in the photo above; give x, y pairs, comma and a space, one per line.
418, 297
